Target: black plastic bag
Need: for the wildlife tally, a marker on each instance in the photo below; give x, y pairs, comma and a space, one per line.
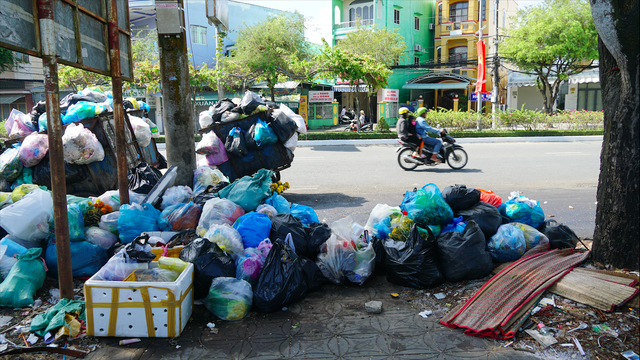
73, 99
250, 101
235, 144
142, 178
463, 255
209, 193
37, 110
209, 262
284, 224
485, 215
460, 198
381, 254
416, 265
317, 234
285, 279
42, 173
135, 250
560, 235
220, 107
162, 162
249, 138
283, 126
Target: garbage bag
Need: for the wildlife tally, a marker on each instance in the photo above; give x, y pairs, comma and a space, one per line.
142, 178
109, 222
292, 142
141, 130
229, 116
279, 203
285, 224
204, 176
317, 234
379, 222
381, 254
456, 225
209, 193
219, 157
54, 318
12, 247
426, 206
285, 279
532, 236
218, 211
80, 145
302, 125
204, 119
415, 262
20, 191
490, 197
10, 164
283, 126
156, 275
76, 223
507, 244
460, 198
560, 235
227, 238
342, 260
194, 249
86, 258
210, 144
80, 111
463, 255
38, 109
268, 210
220, 108
210, 265
71, 99
42, 173
101, 237
249, 265
180, 217
18, 124
5, 199
250, 101
34, 147
263, 134
305, 213
24, 279
95, 93
176, 195
249, 191
122, 264
135, 219
84, 203
112, 198
485, 215
253, 227
235, 144
523, 210
229, 298
29, 218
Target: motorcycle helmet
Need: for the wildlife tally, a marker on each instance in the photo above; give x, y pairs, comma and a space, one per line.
403, 110
421, 111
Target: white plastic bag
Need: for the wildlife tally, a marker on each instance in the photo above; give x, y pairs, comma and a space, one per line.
218, 211
227, 238
155, 133
6, 262
28, 219
141, 130
205, 119
176, 195
101, 237
206, 175
112, 198
292, 142
119, 267
81, 146
302, 126
18, 124
209, 144
109, 222
228, 116
34, 147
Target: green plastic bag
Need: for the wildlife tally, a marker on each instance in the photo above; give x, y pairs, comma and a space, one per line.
24, 279
426, 206
229, 298
249, 191
80, 201
22, 190
54, 317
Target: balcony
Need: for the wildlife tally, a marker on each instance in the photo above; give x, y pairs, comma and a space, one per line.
352, 24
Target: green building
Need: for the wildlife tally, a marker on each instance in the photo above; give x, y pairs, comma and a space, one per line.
414, 20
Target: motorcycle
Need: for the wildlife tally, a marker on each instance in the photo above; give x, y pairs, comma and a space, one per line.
452, 153
354, 127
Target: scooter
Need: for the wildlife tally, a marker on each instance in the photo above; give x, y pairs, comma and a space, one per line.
354, 127
452, 153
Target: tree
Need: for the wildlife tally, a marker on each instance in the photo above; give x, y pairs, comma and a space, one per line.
274, 48
553, 41
8, 60
615, 240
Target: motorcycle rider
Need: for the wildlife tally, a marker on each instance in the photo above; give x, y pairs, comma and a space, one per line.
406, 130
422, 128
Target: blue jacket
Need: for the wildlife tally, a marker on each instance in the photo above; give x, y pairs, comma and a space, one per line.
422, 127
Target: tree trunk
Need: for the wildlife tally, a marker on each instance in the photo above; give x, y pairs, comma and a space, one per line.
617, 233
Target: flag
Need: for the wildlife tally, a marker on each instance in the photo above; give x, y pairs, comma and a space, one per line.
481, 85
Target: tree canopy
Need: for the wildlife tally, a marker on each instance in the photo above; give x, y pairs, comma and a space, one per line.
7, 60
553, 41
382, 45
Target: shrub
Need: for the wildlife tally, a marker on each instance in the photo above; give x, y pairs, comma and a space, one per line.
382, 126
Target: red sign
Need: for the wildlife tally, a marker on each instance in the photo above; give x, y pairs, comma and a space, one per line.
481, 85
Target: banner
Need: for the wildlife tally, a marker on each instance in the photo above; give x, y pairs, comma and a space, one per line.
481, 85
320, 96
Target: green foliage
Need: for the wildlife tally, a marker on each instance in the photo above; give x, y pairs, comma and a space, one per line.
8, 60
382, 125
380, 44
3, 131
552, 40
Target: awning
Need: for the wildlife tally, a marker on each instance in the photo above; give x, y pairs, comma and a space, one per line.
8, 99
437, 86
349, 88
282, 85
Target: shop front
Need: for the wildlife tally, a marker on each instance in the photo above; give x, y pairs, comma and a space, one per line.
320, 110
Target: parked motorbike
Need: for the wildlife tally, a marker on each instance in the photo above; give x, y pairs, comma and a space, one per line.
354, 127
452, 153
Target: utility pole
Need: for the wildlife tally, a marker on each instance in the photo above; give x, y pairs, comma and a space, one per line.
496, 77
218, 60
479, 109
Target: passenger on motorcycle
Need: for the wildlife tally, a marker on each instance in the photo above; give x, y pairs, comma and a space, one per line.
422, 128
405, 127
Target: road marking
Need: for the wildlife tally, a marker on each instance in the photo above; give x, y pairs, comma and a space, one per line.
565, 153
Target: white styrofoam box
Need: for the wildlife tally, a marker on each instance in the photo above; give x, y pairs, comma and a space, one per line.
139, 308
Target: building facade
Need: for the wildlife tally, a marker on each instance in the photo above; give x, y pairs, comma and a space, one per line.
16, 86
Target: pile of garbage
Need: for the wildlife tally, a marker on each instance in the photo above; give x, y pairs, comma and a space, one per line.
26, 160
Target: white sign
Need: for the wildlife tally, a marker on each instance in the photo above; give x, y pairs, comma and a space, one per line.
390, 95
320, 96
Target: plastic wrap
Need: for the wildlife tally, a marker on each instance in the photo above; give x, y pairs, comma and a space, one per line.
109, 222
180, 217
229, 298
532, 236
204, 176
210, 144
218, 211
427, 206
306, 214
10, 164
29, 218
141, 130
279, 203
507, 244
176, 195
34, 147
135, 219
101, 237
81, 146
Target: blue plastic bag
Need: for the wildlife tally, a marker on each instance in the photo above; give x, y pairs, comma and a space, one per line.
42, 122
135, 219
507, 244
426, 206
13, 248
86, 258
80, 111
76, 223
253, 227
306, 214
249, 191
523, 210
457, 225
279, 203
264, 134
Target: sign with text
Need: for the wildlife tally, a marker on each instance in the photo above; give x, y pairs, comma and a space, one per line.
302, 109
486, 96
320, 96
390, 95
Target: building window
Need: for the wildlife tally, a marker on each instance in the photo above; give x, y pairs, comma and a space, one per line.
459, 11
416, 60
396, 16
440, 13
336, 14
590, 97
379, 9
198, 35
21, 58
464, 73
416, 21
458, 53
439, 54
362, 11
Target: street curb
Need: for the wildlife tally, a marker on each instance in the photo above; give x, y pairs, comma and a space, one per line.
495, 140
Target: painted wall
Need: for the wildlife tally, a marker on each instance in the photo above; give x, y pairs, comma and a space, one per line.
529, 96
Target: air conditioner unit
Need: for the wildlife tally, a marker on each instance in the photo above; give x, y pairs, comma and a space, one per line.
432, 26
417, 47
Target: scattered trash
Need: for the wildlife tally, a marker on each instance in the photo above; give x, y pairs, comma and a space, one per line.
567, 345
129, 341
544, 340
440, 296
582, 326
4, 347
508, 344
394, 295
178, 346
570, 207
211, 325
373, 307
32, 339
579, 346
630, 354
425, 314
604, 329
4, 320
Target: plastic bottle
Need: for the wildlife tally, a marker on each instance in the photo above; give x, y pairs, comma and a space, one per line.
13, 248
543, 329
172, 263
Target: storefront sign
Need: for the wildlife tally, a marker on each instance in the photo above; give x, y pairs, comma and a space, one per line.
485, 96
390, 95
302, 110
135, 93
320, 96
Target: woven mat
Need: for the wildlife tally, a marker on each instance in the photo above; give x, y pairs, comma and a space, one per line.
504, 302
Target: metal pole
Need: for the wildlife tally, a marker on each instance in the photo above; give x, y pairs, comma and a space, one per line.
219, 63
118, 110
54, 126
479, 108
496, 77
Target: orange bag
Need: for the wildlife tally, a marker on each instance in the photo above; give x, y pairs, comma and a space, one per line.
490, 197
